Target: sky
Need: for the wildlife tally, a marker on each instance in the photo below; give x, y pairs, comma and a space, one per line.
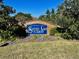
34, 7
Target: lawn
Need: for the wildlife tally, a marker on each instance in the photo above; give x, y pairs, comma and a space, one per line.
59, 49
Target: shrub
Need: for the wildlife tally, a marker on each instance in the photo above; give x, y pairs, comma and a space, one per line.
36, 36
53, 31
6, 35
21, 32
66, 36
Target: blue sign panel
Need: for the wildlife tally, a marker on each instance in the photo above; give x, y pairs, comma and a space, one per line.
37, 29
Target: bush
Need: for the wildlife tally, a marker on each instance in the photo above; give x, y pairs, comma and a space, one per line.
21, 32
53, 31
36, 36
6, 35
66, 36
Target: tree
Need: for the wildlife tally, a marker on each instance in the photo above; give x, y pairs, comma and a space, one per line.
69, 12
42, 17
48, 14
53, 16
22, 17
7, 23
52, 11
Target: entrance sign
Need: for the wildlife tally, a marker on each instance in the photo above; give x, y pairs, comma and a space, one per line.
37, 29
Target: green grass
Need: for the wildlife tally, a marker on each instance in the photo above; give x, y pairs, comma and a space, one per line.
60, 49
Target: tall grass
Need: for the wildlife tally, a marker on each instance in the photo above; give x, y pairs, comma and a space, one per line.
60, 49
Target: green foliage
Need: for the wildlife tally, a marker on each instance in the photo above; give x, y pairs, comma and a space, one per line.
7, 23
53, 31
49, 16
42, 17
23, 17
67, 17
64, 22
71, 8
6, 29
36, 36
20, 32
74, 30
66, 36
9, 28
6, 35
73, 12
